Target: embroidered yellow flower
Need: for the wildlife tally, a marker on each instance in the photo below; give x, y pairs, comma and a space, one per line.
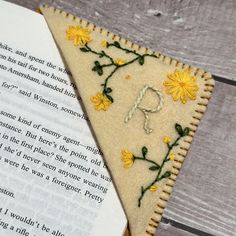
101, 102
181, 85
127, 158
79, 35
120, 61
104, 43
167, 139
153, 188
172, 156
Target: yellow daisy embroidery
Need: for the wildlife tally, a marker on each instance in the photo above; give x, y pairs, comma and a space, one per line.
167, 139
153, 188
181, 85
79, 35
127, 158
120, 61
101, 102
104, 43
172, 156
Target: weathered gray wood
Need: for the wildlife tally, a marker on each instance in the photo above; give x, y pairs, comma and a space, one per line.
198, 32
169, 230
201, 33
33, 5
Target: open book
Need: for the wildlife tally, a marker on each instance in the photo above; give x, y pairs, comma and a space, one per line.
52, 177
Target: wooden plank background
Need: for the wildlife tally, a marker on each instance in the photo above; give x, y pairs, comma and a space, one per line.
202, 33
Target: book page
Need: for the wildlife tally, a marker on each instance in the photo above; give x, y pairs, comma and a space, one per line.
53, 178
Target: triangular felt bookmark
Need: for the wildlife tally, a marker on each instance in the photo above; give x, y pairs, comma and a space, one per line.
144, 108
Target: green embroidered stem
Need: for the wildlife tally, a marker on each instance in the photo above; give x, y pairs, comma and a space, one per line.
181, 132
117, 45
145, 159
107, 90
99, 67
100, 54
158, 178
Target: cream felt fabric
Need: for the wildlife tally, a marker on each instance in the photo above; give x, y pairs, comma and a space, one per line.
113, 134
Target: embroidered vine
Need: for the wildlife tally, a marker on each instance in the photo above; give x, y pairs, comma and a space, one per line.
99, 66
129, 158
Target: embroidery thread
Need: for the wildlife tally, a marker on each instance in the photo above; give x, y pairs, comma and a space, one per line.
145, 111
116, 64
79, 35
129, 158
181, 85
100, 101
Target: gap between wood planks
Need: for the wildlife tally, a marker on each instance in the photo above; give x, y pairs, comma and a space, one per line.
223, 80
184, 227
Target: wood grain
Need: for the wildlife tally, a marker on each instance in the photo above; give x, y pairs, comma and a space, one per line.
169, 230
201, 33
198, 32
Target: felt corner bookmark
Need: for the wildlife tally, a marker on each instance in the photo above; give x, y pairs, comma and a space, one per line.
144, 108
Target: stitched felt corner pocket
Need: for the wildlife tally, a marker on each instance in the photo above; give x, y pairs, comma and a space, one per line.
144, 108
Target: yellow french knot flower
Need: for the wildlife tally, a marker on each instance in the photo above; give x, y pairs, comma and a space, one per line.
127, 158
167, 139
79, 35
120, 61
172, 156
181, 85
101, 102
153, 188
104, 43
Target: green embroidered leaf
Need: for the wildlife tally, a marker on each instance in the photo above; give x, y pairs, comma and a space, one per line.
144, 151
97, 63
141, 60
166, 175
98, 68
117, 44
84, 50
109, 97
108, 90
186, 131
179, 129
102, 54
154, 168
100, 71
